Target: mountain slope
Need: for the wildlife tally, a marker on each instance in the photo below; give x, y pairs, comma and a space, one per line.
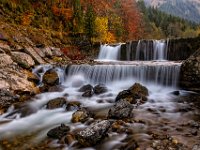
187, 9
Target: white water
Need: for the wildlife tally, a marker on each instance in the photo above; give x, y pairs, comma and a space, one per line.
159, 77
161, 73
108, 52
152, 50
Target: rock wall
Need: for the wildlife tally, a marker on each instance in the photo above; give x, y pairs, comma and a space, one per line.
190, 73
178, 49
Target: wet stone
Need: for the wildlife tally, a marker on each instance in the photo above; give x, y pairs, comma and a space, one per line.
56, 88
73, 106
88, 93
85, 88
56, 103
81, 115
58, 132
51, 78
100, 89
93, 134
122, 109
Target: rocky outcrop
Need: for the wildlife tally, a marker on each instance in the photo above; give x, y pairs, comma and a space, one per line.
190, 73
5, 60
7, 98
23, 59
15, 78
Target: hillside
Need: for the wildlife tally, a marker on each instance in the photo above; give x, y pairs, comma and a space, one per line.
187, 9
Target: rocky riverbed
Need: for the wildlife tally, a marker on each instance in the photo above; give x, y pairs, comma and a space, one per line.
69, 114
43, 108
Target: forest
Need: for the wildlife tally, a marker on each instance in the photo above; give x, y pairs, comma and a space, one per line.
105, 21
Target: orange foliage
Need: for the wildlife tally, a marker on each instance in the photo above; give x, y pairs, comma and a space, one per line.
26, 19
67, 13
73, 53
132, 18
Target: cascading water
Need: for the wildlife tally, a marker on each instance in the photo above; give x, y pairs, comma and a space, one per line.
108, 52
144, 72
152, 50
160, 77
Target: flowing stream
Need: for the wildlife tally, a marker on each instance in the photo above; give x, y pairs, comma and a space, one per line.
160, 113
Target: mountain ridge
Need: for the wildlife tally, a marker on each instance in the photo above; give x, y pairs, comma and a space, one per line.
186, 9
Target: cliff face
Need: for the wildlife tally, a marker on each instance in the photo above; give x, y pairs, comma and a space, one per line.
190, 73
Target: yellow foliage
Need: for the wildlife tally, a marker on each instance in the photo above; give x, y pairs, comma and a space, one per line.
110, 38
101, 28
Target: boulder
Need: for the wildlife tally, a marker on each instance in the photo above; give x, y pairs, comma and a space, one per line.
88, 93
94, 133
136, 94
71, 106
190, 73
139, 89
51, 78
56, 103
100, 89
5, 60
34, 55
7, 98
58, 132
81, 115
56, 51
23, 59
122, 109
14, 78
85, 88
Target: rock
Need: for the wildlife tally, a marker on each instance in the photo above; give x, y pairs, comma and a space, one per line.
7, 98
136, 94
56, 51
56, 103
88, 94
93, 134
23, 59
190, 73
47, 51
73, 106
85, 88
5, 47
139, 89
14, 78
56, 88
176, 93
122, 109
58, 132
81, 115
32, 77
69, 139
34, 55
128, 96
50, 77
5, 60
100, 89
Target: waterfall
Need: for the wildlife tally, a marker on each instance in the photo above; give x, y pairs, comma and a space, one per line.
108, 52
151, 50
166, 74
